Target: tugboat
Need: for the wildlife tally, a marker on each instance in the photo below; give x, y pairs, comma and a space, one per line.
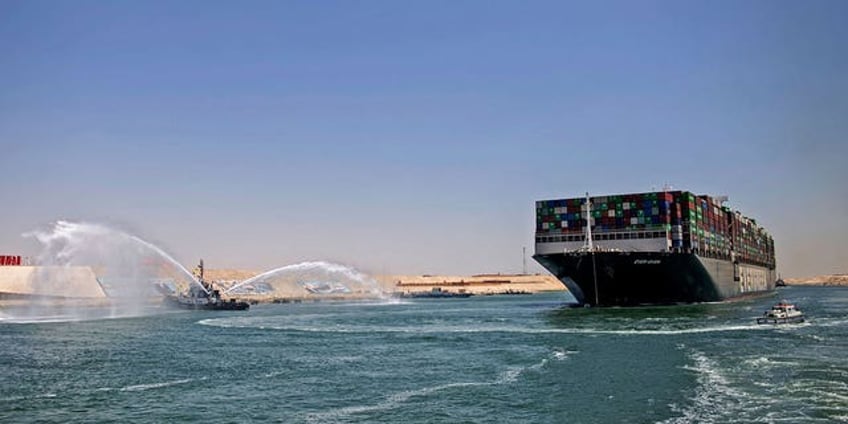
205, 298
436, 292
782, 313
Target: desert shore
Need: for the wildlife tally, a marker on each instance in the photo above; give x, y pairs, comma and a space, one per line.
19, 283
475, 284
483, 284
820, 280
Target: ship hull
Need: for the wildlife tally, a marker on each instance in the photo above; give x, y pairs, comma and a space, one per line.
206, 305
650, 278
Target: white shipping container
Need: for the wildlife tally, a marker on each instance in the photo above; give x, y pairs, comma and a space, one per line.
634, 220
611, 214
626, 206
564, 224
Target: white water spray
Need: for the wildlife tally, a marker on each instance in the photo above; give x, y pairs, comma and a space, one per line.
113, 252
126, 268
318, 270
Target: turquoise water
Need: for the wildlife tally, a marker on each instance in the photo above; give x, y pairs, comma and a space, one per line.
483, 359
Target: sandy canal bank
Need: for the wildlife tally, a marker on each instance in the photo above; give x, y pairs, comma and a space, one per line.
484, 284
476, 284
24, 283
819, 280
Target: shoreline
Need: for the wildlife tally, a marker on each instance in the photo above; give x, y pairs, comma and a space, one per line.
837, 280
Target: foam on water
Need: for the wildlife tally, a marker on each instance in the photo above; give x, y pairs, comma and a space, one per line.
308, 324
142, 387
15, 399
724, 391
45, 319
765, 362
390, 402
715, 399
397, 399
86, 392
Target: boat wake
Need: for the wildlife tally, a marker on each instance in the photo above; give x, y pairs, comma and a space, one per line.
129, 388
715, 399
335, 323
35, 316
142, 387
398, 399
748, 390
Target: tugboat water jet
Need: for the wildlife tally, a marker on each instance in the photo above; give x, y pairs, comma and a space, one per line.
203, 297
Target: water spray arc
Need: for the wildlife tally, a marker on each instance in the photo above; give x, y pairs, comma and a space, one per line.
114, 251
172, 261
306, 270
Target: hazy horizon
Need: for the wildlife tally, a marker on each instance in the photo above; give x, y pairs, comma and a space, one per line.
415, 138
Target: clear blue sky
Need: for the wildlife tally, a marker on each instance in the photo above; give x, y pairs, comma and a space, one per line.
414, 137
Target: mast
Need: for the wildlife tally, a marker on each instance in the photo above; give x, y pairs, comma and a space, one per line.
589, 244
588, 226
524, 259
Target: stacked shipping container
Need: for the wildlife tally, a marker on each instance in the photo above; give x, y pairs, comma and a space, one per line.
692, 223
609, 213
752, 243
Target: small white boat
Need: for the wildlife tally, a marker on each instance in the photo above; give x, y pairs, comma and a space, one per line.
782, 313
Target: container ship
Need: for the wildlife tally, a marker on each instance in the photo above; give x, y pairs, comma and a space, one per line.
652, 248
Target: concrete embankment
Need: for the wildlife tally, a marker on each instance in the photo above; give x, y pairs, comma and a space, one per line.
53, 282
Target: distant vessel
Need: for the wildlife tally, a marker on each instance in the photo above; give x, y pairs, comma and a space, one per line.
436, 292
661, 247
205, 298
782, 313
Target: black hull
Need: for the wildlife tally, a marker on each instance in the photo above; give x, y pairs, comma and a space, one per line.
650, 278
209, 306
442, 295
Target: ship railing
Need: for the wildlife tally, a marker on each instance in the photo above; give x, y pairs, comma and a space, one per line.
606, 235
